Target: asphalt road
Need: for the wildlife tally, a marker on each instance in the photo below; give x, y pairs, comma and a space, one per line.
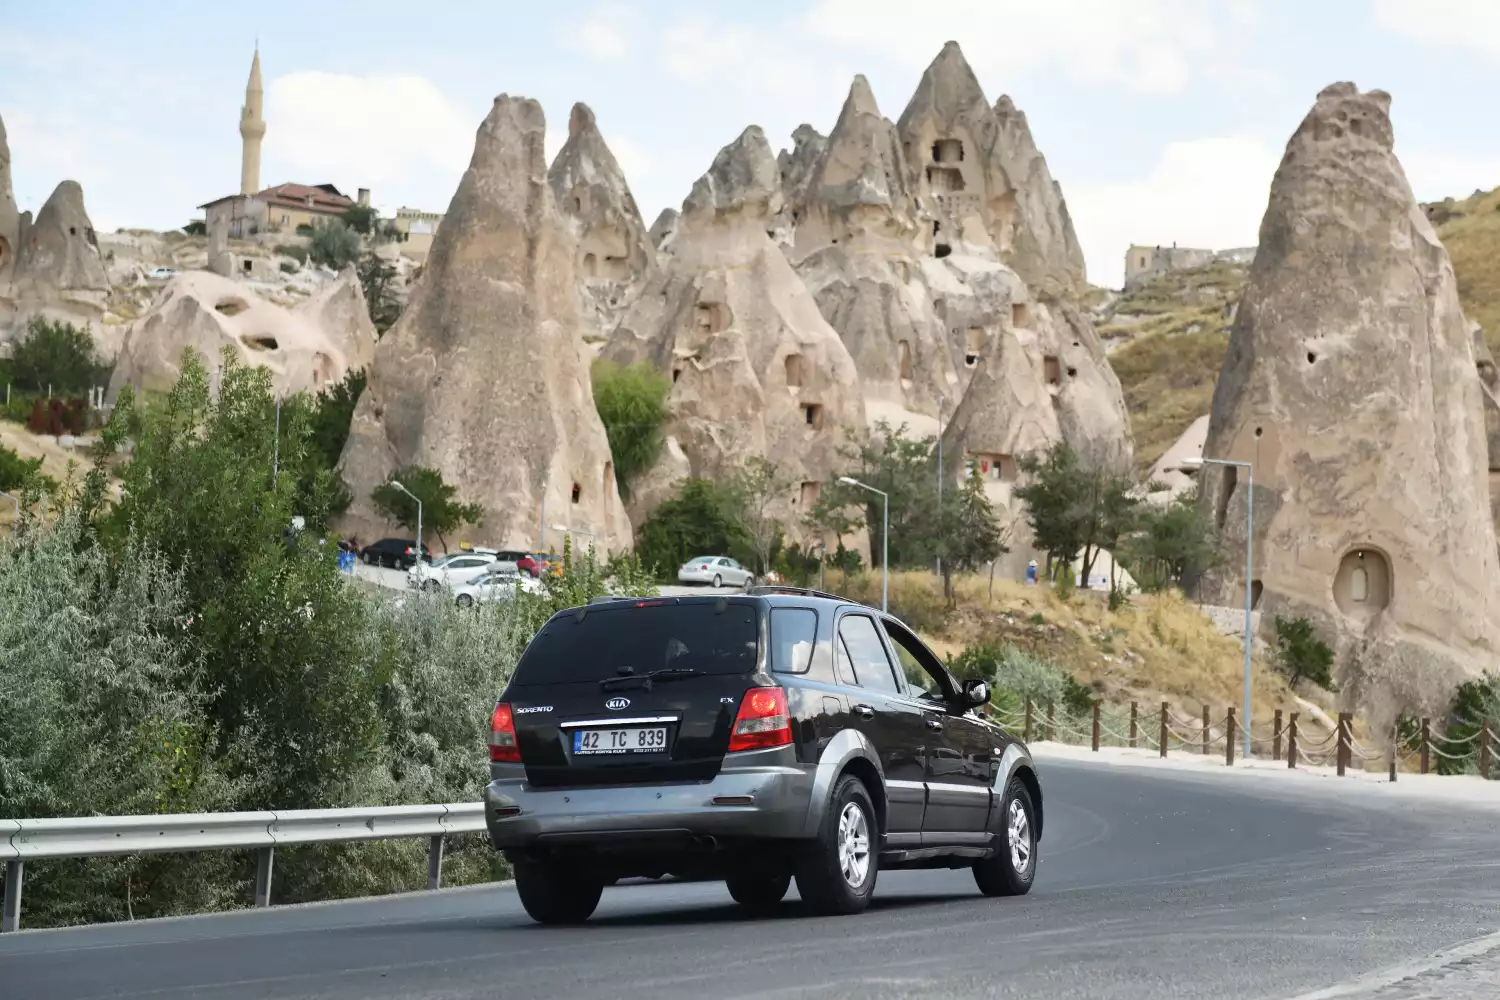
1152, 885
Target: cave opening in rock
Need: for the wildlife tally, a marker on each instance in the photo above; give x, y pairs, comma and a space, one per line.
941, 250
1052, 370
808, 494
577, 493
1362, 585
711, 317
793, 370
973, 346
609, 477
812, 415
903, 359
231, 307
1020, 315
590, 266
259, 342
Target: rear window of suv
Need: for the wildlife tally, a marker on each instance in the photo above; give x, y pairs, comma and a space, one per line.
690, 636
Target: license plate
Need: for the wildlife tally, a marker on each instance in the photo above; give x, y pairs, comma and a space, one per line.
651, 739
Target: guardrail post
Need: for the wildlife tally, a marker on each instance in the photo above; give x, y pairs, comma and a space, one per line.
1394, 745
1276, 736
1229, 739
435, 861
1049, 719
10, 907
1133, 729
1163, 743
265, 860
1291, 741
1206, 724
1096, 725
1426, 743
1484, 749
1027, 735
1343, 741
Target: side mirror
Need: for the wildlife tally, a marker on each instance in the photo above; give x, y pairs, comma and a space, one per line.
975, 693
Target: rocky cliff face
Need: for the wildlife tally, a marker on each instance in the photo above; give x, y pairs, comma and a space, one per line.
615, 252
205, 312
1350, 385
484, 377
339, 310
10, 218
57, 269
756, 369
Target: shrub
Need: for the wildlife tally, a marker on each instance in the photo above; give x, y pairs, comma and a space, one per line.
16, 473
699, 521
333, 244
56, 357
296, 251
632, 403
1300, 655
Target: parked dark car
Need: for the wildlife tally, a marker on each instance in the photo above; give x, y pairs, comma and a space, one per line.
756, 738
399, 553
525, 561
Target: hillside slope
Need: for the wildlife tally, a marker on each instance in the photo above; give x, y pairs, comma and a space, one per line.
1470, 229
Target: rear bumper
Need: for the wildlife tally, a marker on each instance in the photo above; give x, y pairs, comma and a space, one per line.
777, 788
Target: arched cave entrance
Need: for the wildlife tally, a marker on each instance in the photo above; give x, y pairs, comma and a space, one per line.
1362, 585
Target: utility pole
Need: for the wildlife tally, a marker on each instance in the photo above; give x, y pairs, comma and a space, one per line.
276, 448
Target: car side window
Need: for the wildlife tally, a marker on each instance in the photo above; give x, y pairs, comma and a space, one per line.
872, 667
920, 679
794, 631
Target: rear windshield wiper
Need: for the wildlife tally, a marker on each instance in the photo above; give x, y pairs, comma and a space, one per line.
645, 680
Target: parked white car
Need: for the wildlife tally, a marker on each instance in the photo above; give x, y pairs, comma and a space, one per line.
450, 570
499, 582
161, 273
716, 571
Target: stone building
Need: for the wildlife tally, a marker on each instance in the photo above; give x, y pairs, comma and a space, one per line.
1143, 263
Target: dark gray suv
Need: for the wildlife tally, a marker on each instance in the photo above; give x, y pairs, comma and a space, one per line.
755, 738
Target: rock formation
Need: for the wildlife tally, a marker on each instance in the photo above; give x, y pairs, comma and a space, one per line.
664, 230
10, 218
58, 269
484, 378
756, 369
304, 350
615, 253
340, 311
1349, 384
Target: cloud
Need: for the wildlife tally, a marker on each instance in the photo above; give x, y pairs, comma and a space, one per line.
1150, 46
398, 135
1435, 175
1472, 24
1208, 193
604, 33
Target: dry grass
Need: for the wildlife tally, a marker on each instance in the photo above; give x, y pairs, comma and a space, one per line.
1471, 232
1156, 648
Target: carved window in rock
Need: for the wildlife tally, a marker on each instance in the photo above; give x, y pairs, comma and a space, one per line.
973, 346
711, 317
948, 151
590, 266
793, 370
609, 477
812, 415
1362, 585
1359, 585
903, 359
1020, 314
1052, 370
992, 467
577, 493
676, 372
808, 493
943, 180
4, 251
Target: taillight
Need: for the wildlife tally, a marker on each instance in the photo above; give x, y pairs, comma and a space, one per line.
503, 736
762, 722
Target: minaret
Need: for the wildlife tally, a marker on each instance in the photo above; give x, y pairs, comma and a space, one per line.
252, 129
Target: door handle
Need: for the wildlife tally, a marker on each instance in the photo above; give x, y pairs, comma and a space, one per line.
864, 711
934, 725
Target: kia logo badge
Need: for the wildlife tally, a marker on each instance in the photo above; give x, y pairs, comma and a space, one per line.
615, 704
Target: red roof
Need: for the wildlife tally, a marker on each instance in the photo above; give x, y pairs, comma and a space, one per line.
324, 199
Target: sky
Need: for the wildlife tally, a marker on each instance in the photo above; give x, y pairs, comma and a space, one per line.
1163, 120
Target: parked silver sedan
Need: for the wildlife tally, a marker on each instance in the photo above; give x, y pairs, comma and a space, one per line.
716, 571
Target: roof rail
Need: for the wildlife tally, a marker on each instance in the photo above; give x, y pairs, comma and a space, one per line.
772, 588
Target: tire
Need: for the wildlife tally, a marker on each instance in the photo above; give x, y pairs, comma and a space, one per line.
464, 601
1013, 868
553, 895
431, 586
834, 878
758, 892
718, 581
365, 558
749, 582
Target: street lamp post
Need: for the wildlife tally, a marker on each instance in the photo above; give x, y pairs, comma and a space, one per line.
940, 484
418, 499
574, 531
1249, 574
885, 538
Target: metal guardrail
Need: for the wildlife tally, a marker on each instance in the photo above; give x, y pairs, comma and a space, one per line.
22, 840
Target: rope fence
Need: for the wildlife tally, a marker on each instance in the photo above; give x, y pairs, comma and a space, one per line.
1475, 751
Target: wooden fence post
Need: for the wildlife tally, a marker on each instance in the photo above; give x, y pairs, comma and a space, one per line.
1206, 724
1426, 743
1484, 749
1163, 744
1276, 736
1343, 742
1133, 729
1229, 739
1096, 725
1027, 735
1291, 741
1394, 747
1049, 719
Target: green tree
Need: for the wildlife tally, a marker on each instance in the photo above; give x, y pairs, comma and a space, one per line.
1170, 541
57, 356
332, 414
196, 227
1076, 510
17, 473
333, 244
377, 278
698, 521
1300, 655
632, 403
901, 466
441, 510
968, 534
278, 632
754, 496
363, 219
